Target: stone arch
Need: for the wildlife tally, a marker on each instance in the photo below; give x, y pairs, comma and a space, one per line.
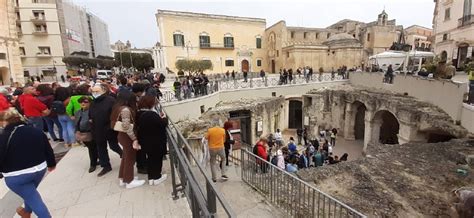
386, 127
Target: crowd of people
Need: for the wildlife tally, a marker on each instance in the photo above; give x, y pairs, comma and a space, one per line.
126, 117
313, 153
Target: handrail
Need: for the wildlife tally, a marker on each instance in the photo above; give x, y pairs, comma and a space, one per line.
206, 198
267, 189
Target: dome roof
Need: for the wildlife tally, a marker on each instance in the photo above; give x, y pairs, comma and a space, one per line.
339, 37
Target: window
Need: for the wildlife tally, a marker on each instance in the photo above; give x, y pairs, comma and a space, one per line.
44, 50
3, 56
39, 15
467, 8
445, 37
317, 35
368, 37
292, 34
329, 35
259, 42
278, 53
41, 28
259, 63
204, 41
304, 34
287, 54
22, 51
229, 63
228, 41
178, 39
447, 14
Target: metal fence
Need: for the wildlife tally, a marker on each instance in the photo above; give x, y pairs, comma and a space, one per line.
235, 84
189, 177
294, 196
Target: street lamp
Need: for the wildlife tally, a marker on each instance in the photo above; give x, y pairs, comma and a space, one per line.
54, 70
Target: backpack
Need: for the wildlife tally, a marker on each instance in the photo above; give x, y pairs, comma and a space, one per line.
58, 107
255, 150
275, 160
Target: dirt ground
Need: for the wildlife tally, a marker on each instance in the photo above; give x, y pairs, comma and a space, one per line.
411, 180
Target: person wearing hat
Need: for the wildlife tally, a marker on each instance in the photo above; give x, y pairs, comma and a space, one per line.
25, 156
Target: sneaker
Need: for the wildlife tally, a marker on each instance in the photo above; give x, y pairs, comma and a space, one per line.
151, 182
60, 140
225, 178
214, 180
160, 180
121, 183
135, 183
104, 171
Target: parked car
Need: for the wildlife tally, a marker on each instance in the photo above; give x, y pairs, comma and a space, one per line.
104, 74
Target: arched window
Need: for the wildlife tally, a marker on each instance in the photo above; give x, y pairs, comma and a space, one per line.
228, 40
178, 38
204, 40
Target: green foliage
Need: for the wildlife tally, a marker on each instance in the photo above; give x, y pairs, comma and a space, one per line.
88, 63
432, 65
469, 67
193, 66
140, 61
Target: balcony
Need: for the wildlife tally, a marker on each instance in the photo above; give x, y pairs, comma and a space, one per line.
216, 46
39, 20
466, 20
40, 32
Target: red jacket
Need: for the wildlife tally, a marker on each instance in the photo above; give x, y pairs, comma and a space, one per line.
262, 151
32, 107
4, 104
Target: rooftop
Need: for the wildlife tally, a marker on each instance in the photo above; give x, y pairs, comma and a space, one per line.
208, 16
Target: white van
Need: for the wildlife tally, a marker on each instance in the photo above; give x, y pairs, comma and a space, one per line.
104, 74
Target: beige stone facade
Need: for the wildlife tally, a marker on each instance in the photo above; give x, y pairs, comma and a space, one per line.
41, 46
420, 38
453, 24
229, 42
10, 62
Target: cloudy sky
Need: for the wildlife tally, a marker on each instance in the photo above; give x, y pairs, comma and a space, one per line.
134, 20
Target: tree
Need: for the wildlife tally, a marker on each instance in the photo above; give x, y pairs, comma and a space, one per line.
141, 61
193, 66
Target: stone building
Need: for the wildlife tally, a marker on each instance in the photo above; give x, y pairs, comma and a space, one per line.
454, 30
10, 61
420, 38
229, 42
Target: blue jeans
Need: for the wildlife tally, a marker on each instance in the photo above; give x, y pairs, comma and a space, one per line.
50, 121
25, 186
36, 122
68, 129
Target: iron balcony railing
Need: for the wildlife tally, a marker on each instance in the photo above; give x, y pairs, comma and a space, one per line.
237, 83
466, 20
189, 177
205, 45
294, 196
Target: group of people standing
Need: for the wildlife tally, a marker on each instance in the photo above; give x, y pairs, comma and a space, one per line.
127, 118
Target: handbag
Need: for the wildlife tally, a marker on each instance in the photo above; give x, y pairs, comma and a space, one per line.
83, 136
118, 125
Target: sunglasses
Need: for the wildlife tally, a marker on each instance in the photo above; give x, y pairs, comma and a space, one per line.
85, 102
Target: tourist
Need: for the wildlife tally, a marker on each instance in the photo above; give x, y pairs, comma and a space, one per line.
73, 106
292, 146
333, 136
261, 151
99, 114
122, 120
299, 134
290, 75
25, 158
344, 157
303, 160
177, 89
151, 132
270, 141
216, 138
229, 141
233, 75
139, 90
280, 160
33, 108
292, 166
389, 74
262, 75
305, 135
278, 138
83, 130
471, 84
47, 98
318, 159
61, 100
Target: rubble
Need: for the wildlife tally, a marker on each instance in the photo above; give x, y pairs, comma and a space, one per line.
410, 180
